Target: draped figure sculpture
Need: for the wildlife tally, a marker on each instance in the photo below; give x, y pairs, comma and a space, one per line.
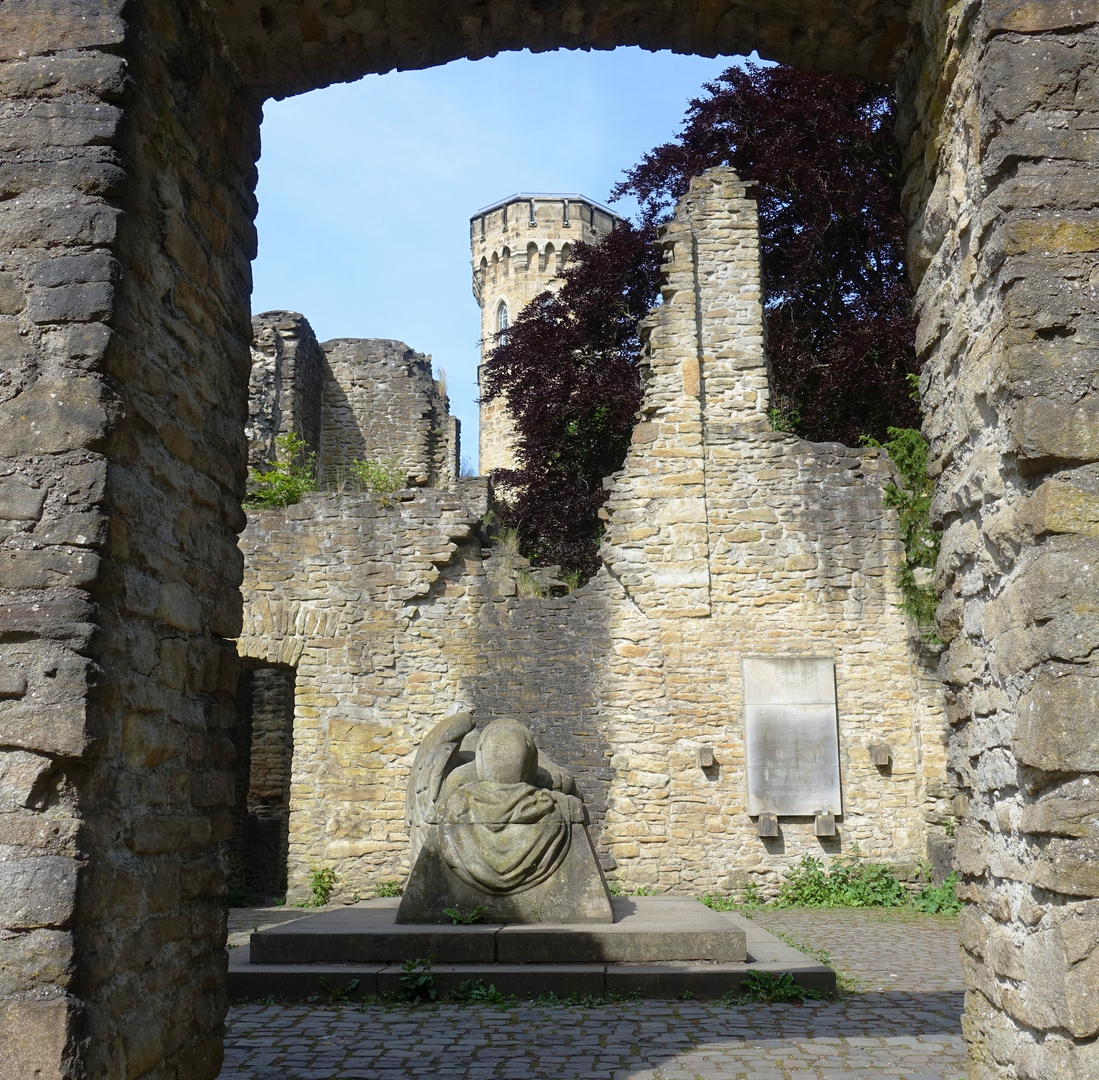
497, 825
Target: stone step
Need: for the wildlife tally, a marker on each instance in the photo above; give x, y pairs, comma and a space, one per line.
646, 930
699, 979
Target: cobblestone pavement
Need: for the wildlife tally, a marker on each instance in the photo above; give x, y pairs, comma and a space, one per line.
907, 1031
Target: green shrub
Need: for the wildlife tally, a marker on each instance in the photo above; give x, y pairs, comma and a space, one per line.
474, 992
388, 888
322, 880
767, 987
939, 899
850, 882
241, 897
292, 475
718, 901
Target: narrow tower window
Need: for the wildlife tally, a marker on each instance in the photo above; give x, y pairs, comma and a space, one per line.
501, 317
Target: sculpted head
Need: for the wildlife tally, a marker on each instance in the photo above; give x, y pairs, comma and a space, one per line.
506, 754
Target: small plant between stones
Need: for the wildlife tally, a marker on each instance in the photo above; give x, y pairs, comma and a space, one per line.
322, 880
907, 449
334, 995
388, 888
418, 980
464, 918
474, 992
939, 899
771, 989
379, 477
293, 473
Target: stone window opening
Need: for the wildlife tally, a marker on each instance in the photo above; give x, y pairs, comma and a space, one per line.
502, 318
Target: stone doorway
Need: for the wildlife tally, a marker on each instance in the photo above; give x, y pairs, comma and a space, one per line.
265, 700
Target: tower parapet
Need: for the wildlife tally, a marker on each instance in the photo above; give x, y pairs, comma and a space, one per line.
518, 246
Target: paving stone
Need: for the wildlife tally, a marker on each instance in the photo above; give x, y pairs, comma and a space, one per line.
908, 1031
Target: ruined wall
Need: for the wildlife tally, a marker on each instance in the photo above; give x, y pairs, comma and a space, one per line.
129, 568
725, 540
286, 389
381, 403
1003, 192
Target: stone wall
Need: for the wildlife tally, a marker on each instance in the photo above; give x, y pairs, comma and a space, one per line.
126, 208
351, 399
1003, 193
725, 540
381, 403
286, 390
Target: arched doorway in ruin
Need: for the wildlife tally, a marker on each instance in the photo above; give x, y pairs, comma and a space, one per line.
124, 314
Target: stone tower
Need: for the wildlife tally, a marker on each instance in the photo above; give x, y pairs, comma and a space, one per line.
518, 245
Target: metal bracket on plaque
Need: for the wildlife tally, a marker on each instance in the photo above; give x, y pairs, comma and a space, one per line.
705, 757
824, 825
767, 825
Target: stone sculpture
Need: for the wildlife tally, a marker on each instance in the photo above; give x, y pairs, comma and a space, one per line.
496, 825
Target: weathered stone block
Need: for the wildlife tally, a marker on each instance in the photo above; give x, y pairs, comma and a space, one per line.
19, 773
1070, 867
37, 892
34, 1034
1072, 809
1056, 729
1069, 431
12, 297
19, 500
1034, 16
53, 415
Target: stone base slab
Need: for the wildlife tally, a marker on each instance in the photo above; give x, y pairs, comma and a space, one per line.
647, 929
700, 979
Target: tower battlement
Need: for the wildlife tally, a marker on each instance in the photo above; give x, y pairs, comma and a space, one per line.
518, 246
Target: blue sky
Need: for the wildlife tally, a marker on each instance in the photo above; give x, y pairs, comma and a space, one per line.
366, 189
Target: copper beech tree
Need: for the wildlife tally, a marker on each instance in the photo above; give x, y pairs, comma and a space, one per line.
840, 333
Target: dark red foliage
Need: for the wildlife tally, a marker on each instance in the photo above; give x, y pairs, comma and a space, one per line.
568, 367
840, 335
832, 236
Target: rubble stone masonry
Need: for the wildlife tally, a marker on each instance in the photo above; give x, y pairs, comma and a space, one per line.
128, 137
1003, 193
726, 540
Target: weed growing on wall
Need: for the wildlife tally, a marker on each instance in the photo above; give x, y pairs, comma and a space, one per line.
907, 449
418, 980
292, 475
388, 888
322, 880
379, 477
768, 988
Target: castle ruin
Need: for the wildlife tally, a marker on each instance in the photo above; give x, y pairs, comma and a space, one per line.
129, 135
367, 618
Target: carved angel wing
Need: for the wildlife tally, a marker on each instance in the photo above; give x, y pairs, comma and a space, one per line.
429, 770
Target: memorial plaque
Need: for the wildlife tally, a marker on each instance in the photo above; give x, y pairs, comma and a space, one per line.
791, 736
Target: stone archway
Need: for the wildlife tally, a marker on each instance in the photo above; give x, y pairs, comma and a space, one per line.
128, 142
